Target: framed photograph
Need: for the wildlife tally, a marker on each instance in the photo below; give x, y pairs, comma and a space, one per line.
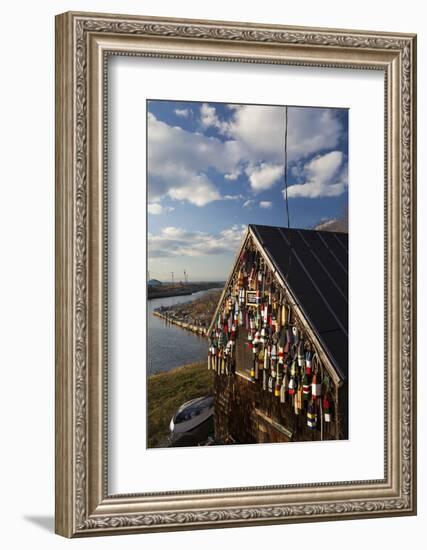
235, 274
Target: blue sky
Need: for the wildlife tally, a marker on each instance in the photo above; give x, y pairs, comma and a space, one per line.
214, 168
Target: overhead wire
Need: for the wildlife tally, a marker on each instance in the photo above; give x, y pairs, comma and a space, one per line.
285, 175
286, 167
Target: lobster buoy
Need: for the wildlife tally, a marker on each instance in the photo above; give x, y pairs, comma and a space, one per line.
229, 348
283, 389
305, 387
270, 384
308, 358
283, 316
292, 386
213, 356
315, 386
222, 363
241, 320
277, 387
311, 416
295, 335
255, 342
240, 280
273, 369
273, 352
242, 296
274, 320
298, 400
261, 359
264, 314
264, 380
263, 335
327, 409
293, 368
253, 370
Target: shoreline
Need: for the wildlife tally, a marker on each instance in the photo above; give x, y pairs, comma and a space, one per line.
187, 290
200, 331
171, 294
177, 370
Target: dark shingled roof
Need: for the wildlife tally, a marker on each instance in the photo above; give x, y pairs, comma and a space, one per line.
315, 266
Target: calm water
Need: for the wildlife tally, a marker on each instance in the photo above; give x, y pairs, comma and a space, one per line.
170, 346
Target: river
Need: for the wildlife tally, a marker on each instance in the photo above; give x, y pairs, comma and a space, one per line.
170, 346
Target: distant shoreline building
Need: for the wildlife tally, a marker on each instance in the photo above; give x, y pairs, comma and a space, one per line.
279, 339
154, 282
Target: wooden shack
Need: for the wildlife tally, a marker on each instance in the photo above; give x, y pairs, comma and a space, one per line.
279, 339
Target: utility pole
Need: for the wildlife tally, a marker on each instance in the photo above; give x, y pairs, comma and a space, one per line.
172, 277
185, 277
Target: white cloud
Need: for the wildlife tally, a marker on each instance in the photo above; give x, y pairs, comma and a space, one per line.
199, 191
325, 176
173, 232
184, 113
233, 175
261, 130
233, 197
264, 176
179, 161
208, 117
176, 242
265, 204
311, 130
156, 208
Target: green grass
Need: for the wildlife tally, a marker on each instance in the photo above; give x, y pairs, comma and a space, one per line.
168, 390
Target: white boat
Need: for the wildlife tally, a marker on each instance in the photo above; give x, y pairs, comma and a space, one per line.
191, 415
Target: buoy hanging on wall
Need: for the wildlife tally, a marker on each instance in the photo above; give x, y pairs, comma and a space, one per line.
291, 370
327, 409
315, 386
311, 416
305, 387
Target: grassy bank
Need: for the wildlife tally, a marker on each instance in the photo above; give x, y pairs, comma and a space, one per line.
168, 390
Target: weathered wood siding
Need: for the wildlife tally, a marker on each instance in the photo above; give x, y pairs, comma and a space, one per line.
238, 402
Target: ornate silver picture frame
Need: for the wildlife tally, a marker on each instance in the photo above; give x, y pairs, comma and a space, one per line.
84, 506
